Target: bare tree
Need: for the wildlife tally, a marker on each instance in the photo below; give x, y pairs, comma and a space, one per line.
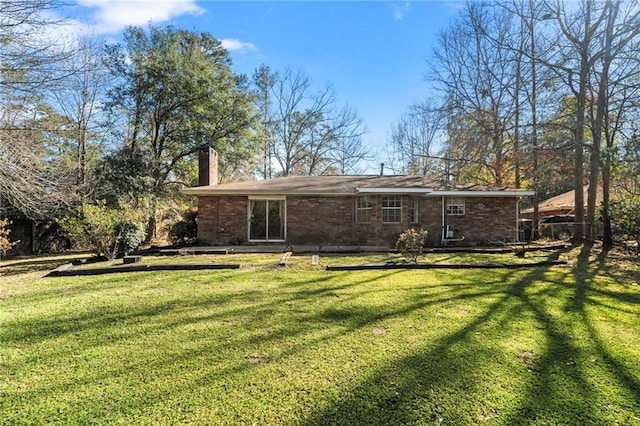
533, 89
30, 50
334, 144
296, 110
311, 134
30, 65
541, 78
613, 76
78, 100
593, 36
628, 153
477, 75
417, 137
29, 178
348, 152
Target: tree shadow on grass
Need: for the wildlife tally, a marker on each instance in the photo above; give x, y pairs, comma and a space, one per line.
415, 388
33, 264
585, 290
444, 380
434, 385
572, 376
248, 318
558, 390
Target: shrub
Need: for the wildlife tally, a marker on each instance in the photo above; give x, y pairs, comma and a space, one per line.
107, 232
185, 231
5, 243
130, 235
410, 244
625, 215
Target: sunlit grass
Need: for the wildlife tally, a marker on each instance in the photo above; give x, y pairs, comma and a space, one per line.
265, 344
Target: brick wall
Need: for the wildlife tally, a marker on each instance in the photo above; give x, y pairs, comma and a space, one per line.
320, 220
222, 220
486, 220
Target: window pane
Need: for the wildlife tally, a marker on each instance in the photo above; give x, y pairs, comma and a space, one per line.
455, 206
363, 216
363, 209
391, 202
276, 220
413, 209
258, 226
391, 216
267, 220
391, 209
364, 202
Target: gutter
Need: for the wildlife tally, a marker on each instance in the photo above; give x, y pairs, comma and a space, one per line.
394, 190
505, 193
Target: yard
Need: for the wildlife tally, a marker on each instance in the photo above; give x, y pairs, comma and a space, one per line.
300, 345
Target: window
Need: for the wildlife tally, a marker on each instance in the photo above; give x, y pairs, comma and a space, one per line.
363, 209
266, 220
455, 206
391, 209
414, 202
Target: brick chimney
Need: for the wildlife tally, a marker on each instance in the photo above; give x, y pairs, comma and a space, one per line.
207, 166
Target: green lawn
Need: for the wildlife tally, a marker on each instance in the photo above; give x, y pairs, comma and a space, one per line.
303, 346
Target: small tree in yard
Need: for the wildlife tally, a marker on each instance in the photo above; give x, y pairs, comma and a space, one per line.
108, 232
410, 243
626, 217
5, 243
131, 235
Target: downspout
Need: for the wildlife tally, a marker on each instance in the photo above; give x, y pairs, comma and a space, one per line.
248, 219
517, 220
443, 229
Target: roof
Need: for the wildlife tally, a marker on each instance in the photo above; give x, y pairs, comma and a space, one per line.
565, 201
350, 185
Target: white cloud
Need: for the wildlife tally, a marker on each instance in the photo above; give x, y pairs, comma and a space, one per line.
400, 11
232, 44
110, 17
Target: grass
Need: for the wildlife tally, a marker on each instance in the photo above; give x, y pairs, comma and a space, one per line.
303, 346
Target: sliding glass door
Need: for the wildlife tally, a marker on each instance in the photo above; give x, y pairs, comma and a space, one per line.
266, 220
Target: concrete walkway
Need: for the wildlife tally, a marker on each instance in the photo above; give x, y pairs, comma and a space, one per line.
276, 248
314, 248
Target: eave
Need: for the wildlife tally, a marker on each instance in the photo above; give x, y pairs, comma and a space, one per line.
212, 191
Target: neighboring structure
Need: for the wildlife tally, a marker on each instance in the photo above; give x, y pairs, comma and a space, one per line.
564, 203
351, 210
35, 236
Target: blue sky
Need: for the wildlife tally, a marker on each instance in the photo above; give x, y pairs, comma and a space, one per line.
374, 53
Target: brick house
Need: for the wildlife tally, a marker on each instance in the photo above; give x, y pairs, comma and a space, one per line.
350, 210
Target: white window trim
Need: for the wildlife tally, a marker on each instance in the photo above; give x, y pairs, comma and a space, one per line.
389, 209
360, 209
266, 198
414, 209
460, 205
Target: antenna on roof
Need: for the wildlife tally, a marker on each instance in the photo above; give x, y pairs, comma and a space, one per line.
381, 169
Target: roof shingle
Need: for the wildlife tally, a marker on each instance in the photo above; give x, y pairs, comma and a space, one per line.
346, 185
